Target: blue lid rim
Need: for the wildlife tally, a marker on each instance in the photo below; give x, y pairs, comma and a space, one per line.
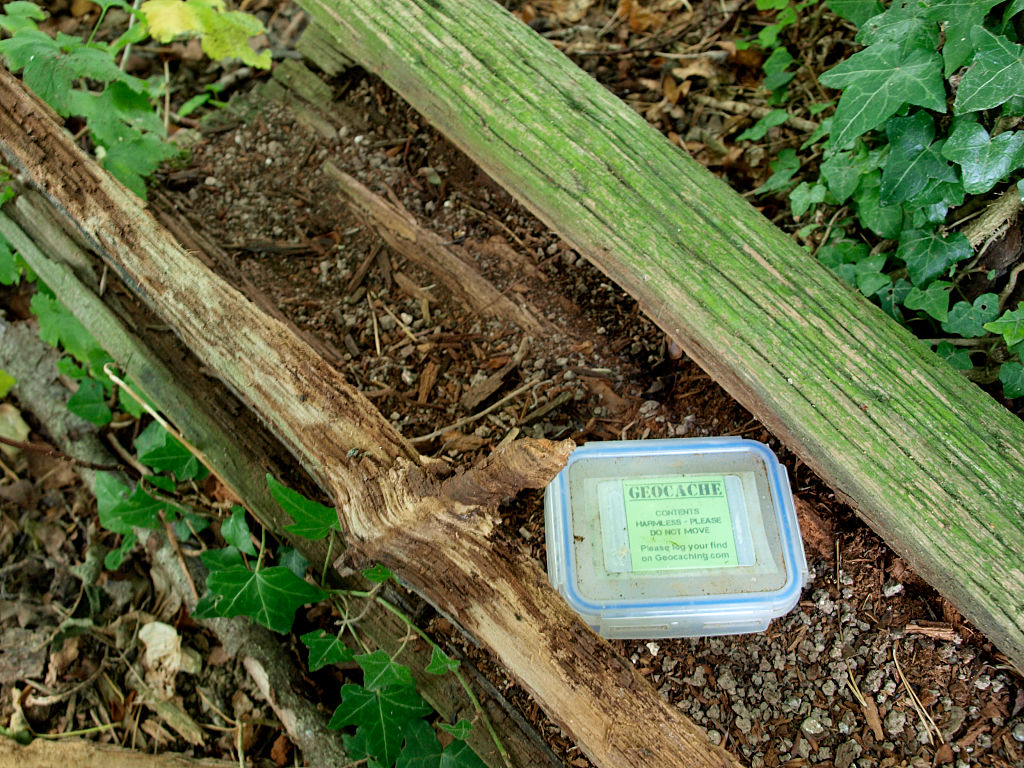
777, 481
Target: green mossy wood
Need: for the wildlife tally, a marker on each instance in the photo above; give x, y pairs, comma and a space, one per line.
928, 459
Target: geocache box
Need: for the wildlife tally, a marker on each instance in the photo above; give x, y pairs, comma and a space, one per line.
674, 538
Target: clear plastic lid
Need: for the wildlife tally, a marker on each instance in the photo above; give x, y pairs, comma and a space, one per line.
674, 538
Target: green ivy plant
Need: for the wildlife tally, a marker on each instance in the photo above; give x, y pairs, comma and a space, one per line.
82, 78
384, 717
925, 124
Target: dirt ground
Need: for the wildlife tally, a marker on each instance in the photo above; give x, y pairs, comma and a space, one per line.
871, 669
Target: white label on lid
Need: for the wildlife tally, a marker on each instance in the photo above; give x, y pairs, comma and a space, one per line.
673, 523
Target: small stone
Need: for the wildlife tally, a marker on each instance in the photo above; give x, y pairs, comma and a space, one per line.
895, 722
892, 589
1018, 732
715, 737
812, 726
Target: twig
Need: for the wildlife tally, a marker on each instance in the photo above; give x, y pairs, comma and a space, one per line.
121, 451
929, 724
469, 419
740, 108
52, 452
172, 540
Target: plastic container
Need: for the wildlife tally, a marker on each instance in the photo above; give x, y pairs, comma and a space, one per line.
674, 538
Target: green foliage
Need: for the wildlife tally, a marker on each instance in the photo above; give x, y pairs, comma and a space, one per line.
325, 649
223, 34
927, 116
82, 78
90, 402
268, 595
312, 521
162, 452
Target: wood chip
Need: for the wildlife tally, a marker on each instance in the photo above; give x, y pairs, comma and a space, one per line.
484, 389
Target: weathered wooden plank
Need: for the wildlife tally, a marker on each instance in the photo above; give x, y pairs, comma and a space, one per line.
235, 448
928, 459
392, 503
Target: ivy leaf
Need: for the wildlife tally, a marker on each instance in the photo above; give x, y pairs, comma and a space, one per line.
784, 166
995, 77
843, 252
115, 557
865, 274
775, 66
913, 160
325, 649
903, 24
960, 359
139, 510
855, 11
1012, 376
293, 560
1010, 326
891, 297
422, 749
958, 17
459, 754
58, 326
983, 161
884, 220
879, 80
440, 663
270, 596
823, 130
760, 128
236, 532
928, 254
968, 320
460, 730
934, 300
222, 559
378, 574
90, 402
1012, 10
843, 170
804, 196
380, 715
161, 451
312, 521
380, 671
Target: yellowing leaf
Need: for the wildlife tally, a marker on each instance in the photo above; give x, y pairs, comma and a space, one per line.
169, 18
223, 34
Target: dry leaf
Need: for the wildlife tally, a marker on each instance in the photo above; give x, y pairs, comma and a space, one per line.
872, 718
697, 68
165, 657
280, 750
571, 10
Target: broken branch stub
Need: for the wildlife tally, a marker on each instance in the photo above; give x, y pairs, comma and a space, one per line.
386, 498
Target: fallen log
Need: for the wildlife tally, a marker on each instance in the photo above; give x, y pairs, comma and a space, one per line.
930, 461
392, 506
234, 447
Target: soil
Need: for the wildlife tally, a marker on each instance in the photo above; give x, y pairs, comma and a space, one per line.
872, 668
